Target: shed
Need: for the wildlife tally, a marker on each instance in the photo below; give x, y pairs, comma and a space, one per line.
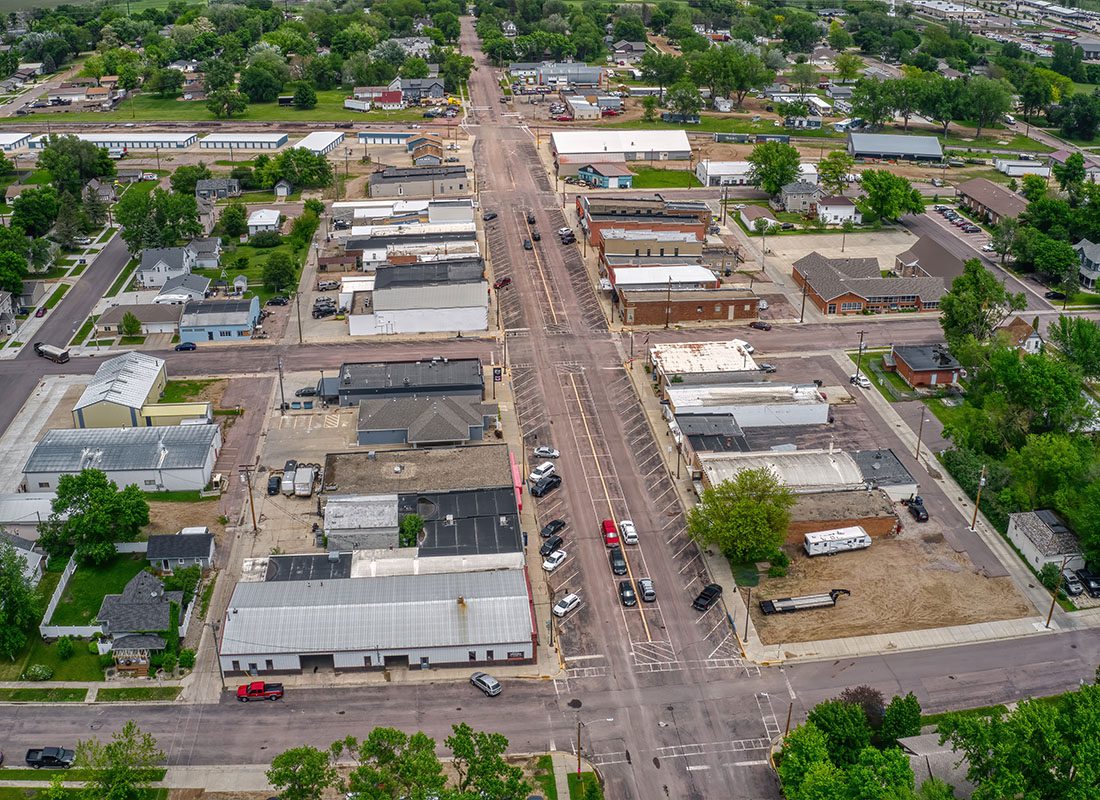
1043, 538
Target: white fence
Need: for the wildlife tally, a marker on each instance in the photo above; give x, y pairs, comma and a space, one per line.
48, 631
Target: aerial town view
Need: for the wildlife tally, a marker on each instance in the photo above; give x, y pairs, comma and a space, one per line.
549, 400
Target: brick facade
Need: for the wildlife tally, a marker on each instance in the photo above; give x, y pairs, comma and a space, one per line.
651, 308
943, 377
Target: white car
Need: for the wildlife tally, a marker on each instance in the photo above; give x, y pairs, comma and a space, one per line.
861, 381
748, 348
553, 561
541, 471
763, 304
546, 452
564, 231
988, 248
628, 531
566, 604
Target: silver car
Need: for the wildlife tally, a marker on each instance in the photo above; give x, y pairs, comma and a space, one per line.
487, 683
546, 452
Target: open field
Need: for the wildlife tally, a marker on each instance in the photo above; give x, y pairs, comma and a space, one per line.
657, 178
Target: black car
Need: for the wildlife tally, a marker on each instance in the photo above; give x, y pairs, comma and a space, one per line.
290, 466
626, 594
185, 346
1052, 295
536, 236
550, 545
617, 561
306, 391
551, 528
546, 485
766, 367
530, 218
527, 244
489, 215
708, 597
278, 301
919, 513
760, 325
273, 484
1091, 580
340, 225
324, 311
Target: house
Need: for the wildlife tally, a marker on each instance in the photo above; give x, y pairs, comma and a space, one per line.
414, 46
191, 547
439, 181
606, 176
135, 620
217, 188
97, 94
35, 68
34, 560
930, 259
208, 214
508, 28
154, 318
1020, 335
263, 219
799, 197
923, 365
155, 459
390, 100
895, 146
1089, 271
841, 286
32, 294
823, 56
416, 90
128, 175
7, 314
428, 155
989, 201
283, 190
158, 264
837, 209
1043, 538
103, 190
183, 289
207, 250
219, 320
629, 52
399, 379
1092, 164
425, 421
120, 387
750, 214
13, 192
840, 91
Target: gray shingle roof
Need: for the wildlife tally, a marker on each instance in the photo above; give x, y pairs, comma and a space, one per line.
998, 199
215, 184
388, 613
174, 257
139, 641
143, 606
933, 259
176, 545
1047, 532
189, 282
425, 419
1089, 250
801, 187
832, 277
179, 447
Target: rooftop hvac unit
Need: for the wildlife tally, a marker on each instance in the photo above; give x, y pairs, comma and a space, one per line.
334, 556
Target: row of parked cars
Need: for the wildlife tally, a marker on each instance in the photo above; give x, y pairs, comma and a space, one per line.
957, 219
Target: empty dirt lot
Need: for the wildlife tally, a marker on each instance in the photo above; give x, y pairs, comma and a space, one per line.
911, 582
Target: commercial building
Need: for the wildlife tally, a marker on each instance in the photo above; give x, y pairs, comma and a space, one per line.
1017, 168
752, 405
243, 141
680, 362
989, 201
922, 364
738, 173
263, 219
128, 140
219, 320
154, 318
607, 146
393, 379
440, 181
895, 145
362, 522
882, 469
579, 108
843, 286
423, 297
801, 471
424, 421
649, 242
1043, 538
654, 307
385, 137
606, 176
179, 458
674, 278
320, 143
928, 258
419, 470
13, 141
22, 513
118, 390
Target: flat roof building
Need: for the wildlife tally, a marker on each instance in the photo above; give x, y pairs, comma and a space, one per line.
682, 277
801, 471
13, 141
602, 146
444, 180
679, 359
445, 469
389, 379
129, 140
882, 469
320, 143
243, 141
752, 405
895, 145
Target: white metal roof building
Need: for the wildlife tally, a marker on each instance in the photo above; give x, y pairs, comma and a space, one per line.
801, 471
455, 618
321, 142
178, 458
243, 141
737, 173
428, 308
20, 513
701, 358
596, 146
131, 140
13, 141
680, 277
124, 384
752, 405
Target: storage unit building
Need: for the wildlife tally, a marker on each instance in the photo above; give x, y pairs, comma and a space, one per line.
895, 145
243, 141
132, 140
321, 143
13, 141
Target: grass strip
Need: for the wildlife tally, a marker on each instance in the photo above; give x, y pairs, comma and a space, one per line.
137, 694
43, 695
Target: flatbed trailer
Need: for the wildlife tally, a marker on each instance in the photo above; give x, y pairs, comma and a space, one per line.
786, 605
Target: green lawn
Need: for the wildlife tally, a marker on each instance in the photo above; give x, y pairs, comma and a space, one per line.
944, 413
123, 279
30, 774
38, 177
544, 777
177, 391
1024, 144
81, 666
728, 124
580, 786
983, 711
254, 271
43, 695
132, 340
657, 178
84, 332
137, 694
58, 293
16, 793
140, 187
84, 594
745, 574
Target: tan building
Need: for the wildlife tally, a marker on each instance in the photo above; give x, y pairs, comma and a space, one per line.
648, 242
119, 390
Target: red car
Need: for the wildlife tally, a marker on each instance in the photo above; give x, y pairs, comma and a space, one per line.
564, 118
502, 282
258, 690
40, 312
610, 533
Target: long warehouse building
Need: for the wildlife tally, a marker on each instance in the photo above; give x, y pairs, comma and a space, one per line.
243, 141
320, 143
130, 140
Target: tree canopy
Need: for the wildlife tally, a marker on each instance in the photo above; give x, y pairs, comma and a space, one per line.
745, 517
19, 609
90, 514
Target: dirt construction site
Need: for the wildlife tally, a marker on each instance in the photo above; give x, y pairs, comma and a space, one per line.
913, 581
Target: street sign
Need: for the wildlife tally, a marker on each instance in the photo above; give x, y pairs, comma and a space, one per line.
498, 374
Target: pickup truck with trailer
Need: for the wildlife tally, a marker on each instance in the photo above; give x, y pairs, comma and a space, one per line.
258, 690
55, 757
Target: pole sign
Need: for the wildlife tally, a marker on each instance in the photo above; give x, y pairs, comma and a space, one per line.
498, 374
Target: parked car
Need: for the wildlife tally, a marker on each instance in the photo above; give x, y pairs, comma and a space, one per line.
565, 605
306, 391
552, 528
564, 231
487, 683
988, 248
41, 312
489, 215
971, 229
541, 471
554, 560
185, 346
278, 301
766, 367
527, 245
626, 594
550, 545
530, 218
708, 597
536, 236
937, 182
760, 325
628, 531
1090, 580
50, 757
273, 485
500, 283
617, 560
1071, 583
918, 512
546, 452
646, 590
860, 380
610, 533
341, 225
259, 690
546, 485
1053, 295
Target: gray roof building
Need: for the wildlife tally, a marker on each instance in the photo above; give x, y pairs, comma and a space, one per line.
412, 174
882, 469
924, 357
361, 522
174, 546
415, 297
423, 273
359, 381
929, 258
444, 469
833, 278
174, 257
143, 607
33, 559
894, 145
421, 420
191, 284
1047, 532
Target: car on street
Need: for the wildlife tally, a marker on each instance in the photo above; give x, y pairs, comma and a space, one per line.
278, 301
610, 533
1090, 580
530, 218
1071, 583
546, 452
564, 231
708, 597
185, 346
273, 485
259, 690
50, 757
554, 560
766, 367
860, 380
552, 528
988, 248
489, 215
487, 683
536, 236
565, 605
971, 229
748, 348
937, 183
628, 531
527, 245
760, 325
646, 590
500, 283
306, 391
550, 545
617, 561
546, 485
1053, 295
626, 594
41, 312
918, 512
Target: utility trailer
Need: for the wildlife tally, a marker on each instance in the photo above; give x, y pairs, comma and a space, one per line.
786, 605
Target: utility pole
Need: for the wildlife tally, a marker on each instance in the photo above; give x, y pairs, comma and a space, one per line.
246, 471
920, 431
1057, 588
859, 355
748, 604
282, 394
298, 310
578, 745
802, 311
978, 499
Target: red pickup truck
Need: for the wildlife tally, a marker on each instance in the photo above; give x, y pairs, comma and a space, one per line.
258, 690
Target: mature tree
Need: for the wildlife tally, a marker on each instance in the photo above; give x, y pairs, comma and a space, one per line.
664, 69
940, 99
13, 268
976, 305
302, 773
684, 98
1078, 339
1078, 117
279, 271
935, 789
1035, 93
90, 514
480, 767
833, 171
1035, 250
901, 719
803, 749
260, 84
455, 70
1067, 59
301, 167
870, 700
157, 219
218, 73
745, 517
165, 83
447, 22
1044, 466
69, 225
94, 211
879, 775
871, 101
799, 34
773, 165
845, 728
629, 26
649, 108
19, 610
131, 325
225, 102
905, 96
1071, 175
987, 100
888, 196
72, 163
1004, 236
393, 764
234, 219
186, 177
305, 97
804, 76
121, 769
748, 72
35, 210
1034, 188
847, 67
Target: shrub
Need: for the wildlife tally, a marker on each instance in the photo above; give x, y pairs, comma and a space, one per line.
266, 239
781, 559
93, 649
106, 660
187, 659
776, 571
168, 663
64, 648
37, 672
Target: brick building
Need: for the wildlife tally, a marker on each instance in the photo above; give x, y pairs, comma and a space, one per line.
923, 364
990, 202
640, 307
841, 286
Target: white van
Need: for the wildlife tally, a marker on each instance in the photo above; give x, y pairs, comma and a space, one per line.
541, 471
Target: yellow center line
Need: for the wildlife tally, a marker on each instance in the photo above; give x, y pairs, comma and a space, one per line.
542, 276
607, 498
